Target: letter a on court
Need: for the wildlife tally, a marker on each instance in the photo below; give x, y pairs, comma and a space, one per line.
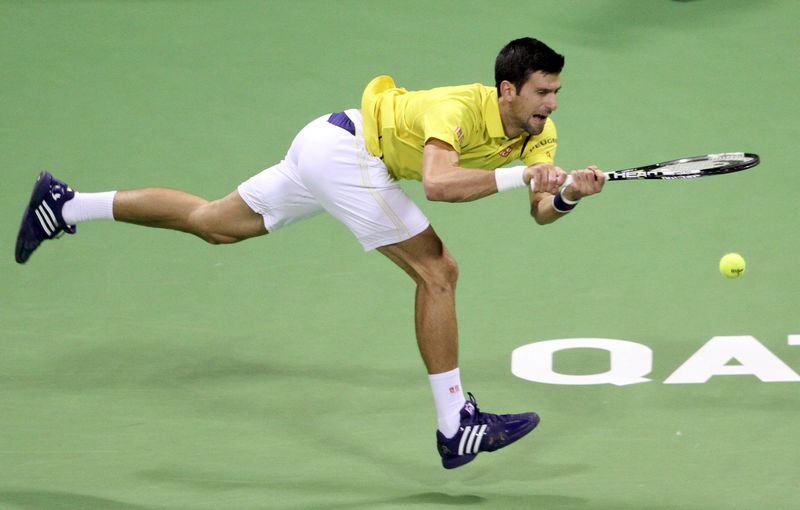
714, 357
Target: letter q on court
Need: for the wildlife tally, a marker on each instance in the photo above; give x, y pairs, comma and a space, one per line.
629, 362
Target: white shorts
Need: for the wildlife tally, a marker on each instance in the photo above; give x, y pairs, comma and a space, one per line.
329, 169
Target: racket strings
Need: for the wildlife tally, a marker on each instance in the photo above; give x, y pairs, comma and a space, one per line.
692, 167
697, 166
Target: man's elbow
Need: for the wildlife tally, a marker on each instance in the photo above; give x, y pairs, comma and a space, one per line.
541, 219
435, 191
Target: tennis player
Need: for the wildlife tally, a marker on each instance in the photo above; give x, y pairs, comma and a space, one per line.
454, 139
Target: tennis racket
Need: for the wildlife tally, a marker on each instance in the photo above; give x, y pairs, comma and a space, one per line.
686, 168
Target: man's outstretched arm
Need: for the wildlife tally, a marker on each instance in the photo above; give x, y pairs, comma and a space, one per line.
444, 180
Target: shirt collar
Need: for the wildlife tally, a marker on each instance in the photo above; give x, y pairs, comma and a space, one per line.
491, 112
494, 123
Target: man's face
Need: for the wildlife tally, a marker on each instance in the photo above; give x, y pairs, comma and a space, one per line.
528, 108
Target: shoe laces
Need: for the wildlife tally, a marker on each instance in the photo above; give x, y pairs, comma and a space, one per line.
477, 415
57, 192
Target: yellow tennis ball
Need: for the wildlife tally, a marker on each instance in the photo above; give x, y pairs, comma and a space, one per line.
731, 265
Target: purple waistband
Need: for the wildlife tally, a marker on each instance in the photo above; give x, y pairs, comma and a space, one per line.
343, 121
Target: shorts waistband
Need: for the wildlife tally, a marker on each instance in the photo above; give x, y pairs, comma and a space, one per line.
343, 121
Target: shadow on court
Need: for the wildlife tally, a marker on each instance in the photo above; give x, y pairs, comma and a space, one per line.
51, 500
498, 501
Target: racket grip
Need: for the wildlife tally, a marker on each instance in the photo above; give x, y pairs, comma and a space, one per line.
522, 167
566, 183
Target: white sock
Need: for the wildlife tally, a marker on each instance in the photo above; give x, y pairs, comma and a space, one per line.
89, 206
449, 399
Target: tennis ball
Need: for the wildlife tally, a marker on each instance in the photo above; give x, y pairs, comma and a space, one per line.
731, 265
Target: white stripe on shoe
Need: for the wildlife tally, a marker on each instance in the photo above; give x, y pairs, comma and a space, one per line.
46, 208
43, 221
479, 437
471, 439
464, 435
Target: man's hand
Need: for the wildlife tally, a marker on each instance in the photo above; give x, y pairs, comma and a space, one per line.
546, 178
585, 182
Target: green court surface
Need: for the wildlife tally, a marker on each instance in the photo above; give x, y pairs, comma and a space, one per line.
143, 369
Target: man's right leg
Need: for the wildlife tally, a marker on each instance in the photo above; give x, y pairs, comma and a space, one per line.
425, 259
464, 430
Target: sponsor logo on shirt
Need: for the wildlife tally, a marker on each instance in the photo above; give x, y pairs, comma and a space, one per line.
545, 141
459, 135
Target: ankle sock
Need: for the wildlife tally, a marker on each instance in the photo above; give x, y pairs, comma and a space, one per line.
449, 399
89, 206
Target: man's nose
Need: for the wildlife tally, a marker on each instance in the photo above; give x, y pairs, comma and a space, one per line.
552, 102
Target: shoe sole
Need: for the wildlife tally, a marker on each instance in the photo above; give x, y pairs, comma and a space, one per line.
22, 252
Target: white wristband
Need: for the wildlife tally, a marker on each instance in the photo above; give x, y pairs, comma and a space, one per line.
509, 178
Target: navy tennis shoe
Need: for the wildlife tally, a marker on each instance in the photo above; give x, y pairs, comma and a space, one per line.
42, 218
482, 432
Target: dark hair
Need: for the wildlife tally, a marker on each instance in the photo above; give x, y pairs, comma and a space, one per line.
522, 57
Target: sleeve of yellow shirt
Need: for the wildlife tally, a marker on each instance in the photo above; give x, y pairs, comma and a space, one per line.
452, 122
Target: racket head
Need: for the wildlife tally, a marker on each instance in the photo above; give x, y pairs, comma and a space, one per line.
690, 168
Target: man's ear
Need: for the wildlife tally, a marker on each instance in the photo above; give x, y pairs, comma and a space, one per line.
507, 89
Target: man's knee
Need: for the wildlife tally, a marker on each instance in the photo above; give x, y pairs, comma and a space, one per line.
225, 221
440, 274
216, 238
204, 224
426, 260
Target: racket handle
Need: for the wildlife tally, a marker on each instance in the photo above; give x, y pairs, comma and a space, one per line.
522, 167
566, 183
569, 180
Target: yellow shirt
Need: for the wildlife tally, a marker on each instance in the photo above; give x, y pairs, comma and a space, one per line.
397, 123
